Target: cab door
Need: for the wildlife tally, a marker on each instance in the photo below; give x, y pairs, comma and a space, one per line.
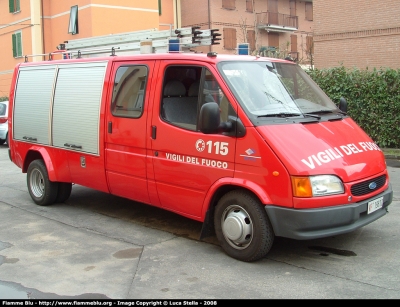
127, 130
187, 162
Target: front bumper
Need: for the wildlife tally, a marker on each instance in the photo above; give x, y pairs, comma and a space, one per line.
306, 224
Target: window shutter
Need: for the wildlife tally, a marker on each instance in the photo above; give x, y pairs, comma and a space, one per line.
229, 38
309, 11
18, 6
310, 44
292, 7
18, 44
293, 43
11, 5
249, 6
251, 39
14, 45
273, 39
228, 4
272, 6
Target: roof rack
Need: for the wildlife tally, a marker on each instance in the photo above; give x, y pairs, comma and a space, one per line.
70, 54
147, 41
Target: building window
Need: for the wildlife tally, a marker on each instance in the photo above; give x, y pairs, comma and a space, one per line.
14, 6
249, 6
73, 20
228, 4
310, 44
159, 8
251, 39
17, 44
273, 40
309, 11
293, 43
230, 38
292, 7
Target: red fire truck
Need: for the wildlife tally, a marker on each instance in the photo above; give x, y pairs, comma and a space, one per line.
250, 146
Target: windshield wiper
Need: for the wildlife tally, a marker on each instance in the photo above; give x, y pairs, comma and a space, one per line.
319, 112
312, 115
325, 112
281, 114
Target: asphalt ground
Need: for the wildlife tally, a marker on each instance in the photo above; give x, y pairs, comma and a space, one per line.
98, 246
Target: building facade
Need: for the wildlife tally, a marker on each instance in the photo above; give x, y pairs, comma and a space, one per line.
37, 27
357, 33
270, 27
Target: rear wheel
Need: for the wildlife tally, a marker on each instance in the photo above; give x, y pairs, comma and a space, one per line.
2, 142
242, 226
64, 191
42, 190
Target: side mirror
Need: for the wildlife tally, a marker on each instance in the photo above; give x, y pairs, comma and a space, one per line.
209, 120
343, 105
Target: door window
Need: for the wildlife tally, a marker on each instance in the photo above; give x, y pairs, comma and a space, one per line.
185, 89
129, 91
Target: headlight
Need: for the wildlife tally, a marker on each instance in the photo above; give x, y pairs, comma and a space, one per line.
314, 186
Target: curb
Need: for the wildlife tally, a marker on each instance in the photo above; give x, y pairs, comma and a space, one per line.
392, 157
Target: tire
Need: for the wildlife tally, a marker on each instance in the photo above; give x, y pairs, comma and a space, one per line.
242, 226
64, 191
2, 142
42, 190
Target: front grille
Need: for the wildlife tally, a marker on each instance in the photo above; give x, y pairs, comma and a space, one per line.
362, 188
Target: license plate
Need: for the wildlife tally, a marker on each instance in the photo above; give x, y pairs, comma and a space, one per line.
375, 204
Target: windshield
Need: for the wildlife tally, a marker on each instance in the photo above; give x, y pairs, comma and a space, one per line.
266, 89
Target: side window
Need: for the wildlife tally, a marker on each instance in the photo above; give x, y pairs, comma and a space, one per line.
181, 96
185, 89
129, 90
212, 92
2, 109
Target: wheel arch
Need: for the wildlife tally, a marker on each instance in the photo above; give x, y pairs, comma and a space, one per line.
40, 153
220, 188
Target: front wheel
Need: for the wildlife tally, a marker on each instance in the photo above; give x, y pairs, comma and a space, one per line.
242, 226
42, 190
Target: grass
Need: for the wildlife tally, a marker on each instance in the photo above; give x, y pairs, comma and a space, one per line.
391, 151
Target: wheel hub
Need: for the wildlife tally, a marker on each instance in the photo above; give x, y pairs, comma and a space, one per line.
237, 227
37, 183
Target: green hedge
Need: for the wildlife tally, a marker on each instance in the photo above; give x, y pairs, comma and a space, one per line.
373, 98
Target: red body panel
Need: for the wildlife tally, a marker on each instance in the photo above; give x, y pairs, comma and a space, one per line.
338, 147
259, 166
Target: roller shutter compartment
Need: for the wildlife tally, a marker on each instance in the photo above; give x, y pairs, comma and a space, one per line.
32, 104
76, 109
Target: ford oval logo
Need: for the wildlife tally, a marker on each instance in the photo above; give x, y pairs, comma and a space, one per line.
372, 186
